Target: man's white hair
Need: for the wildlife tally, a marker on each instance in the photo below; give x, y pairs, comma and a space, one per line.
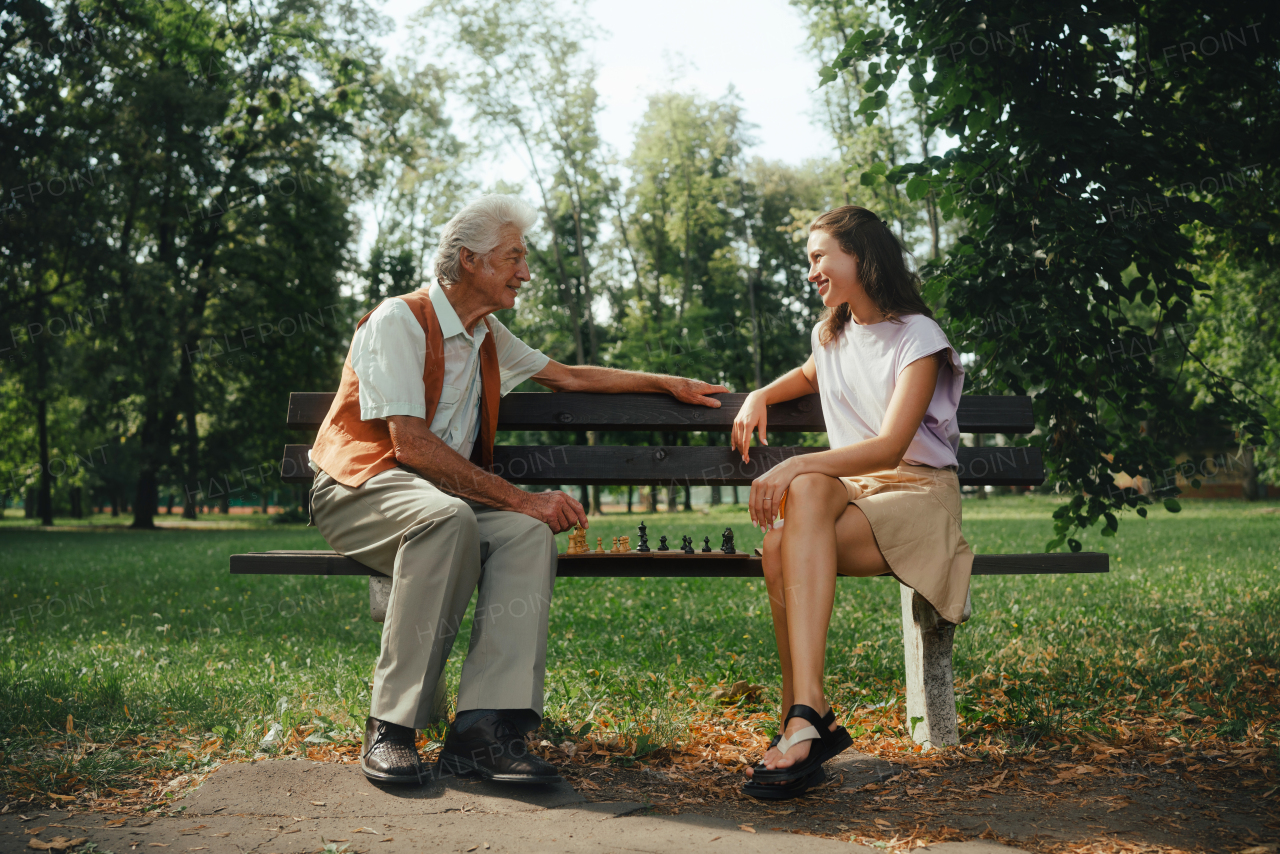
478, 227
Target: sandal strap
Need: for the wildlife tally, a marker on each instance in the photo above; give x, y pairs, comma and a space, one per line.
806, 734
799, 710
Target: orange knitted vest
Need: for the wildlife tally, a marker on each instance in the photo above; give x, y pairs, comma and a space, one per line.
351, 450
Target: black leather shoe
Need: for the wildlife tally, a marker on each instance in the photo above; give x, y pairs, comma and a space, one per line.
493, 749
389, 754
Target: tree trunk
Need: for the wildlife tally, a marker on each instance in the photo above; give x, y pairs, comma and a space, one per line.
115, 504
224, 505
735, 494
630, 492
77, 502
29, 504
1250, 484
651, 498
168, 505
192, 485
595, 490
44, 494
715, 488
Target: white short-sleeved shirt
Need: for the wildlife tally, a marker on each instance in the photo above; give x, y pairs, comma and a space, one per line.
389, 352
858, 372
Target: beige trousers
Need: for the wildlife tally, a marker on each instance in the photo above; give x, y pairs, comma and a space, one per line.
438, 550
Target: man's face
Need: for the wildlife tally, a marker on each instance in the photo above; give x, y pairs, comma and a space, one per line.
501, 274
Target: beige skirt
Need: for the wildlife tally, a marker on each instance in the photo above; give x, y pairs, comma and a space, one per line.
914, 513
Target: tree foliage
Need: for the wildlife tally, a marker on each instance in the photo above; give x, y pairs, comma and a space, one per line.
1090, 139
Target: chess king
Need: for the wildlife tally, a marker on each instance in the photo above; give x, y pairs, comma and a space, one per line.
404, 486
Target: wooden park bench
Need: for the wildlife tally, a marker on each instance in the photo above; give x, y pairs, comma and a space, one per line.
927, 637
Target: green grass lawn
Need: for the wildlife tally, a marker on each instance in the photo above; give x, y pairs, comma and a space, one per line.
144, 638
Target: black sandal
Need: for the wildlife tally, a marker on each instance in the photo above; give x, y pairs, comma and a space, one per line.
830, 743
785, 791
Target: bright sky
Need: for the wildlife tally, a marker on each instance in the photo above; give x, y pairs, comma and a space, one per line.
756, 45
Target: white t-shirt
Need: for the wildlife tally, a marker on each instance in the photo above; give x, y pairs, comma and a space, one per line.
858, 371
389, 353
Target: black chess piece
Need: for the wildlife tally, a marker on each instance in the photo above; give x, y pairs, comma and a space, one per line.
726, 542
686, 544
706, 544
644, 539
662, 544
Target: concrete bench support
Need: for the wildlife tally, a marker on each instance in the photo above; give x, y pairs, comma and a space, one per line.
379, 596
931, 697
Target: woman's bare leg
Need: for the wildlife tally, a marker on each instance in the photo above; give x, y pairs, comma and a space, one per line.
823, 534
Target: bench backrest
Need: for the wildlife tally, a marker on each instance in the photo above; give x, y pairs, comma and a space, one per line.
666, 465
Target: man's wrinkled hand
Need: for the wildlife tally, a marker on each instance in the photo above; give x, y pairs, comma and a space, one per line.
694, 391
557, 509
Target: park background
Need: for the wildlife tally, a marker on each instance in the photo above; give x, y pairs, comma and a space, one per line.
200, 201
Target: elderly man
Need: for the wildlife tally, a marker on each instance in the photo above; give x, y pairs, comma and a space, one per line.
403, 486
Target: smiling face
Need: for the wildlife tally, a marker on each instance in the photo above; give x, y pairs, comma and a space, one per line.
833, 270
499, 275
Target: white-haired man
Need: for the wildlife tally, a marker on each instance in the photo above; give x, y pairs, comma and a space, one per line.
402, 485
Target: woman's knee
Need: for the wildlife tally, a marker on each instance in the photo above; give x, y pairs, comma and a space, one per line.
812, 487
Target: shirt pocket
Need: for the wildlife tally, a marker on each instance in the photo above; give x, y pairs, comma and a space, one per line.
449, 396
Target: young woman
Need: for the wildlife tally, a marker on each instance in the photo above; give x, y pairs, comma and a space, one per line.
884, 499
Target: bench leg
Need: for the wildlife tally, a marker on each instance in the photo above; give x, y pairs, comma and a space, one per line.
931, 696
379, 596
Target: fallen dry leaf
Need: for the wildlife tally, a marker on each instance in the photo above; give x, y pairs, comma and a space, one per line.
223, 833
366, 830
35, 831
117, 822
317, 803
748, 828
58, 843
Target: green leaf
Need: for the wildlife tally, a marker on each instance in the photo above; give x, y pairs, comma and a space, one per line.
1172, 505
1074, 545
878, 168
917, 188
1142, 511
868, 179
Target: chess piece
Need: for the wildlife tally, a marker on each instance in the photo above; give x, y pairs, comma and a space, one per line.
726, 542
662, 544
706, 544
686, 545
599, 545
624, 545
644, 539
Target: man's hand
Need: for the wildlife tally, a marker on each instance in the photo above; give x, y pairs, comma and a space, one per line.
693, 391
558, 509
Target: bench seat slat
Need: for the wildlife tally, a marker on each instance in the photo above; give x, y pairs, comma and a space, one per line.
676, 565
690, 466
587, 411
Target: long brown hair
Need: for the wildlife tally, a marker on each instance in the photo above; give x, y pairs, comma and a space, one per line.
882, 268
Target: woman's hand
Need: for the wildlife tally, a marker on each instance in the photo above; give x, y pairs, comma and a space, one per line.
752, 416
767, 491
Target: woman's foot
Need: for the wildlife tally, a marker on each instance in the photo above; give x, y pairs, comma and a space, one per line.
776, 759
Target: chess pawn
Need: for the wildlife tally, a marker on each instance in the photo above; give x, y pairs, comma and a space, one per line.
624, 544
662, 544
643, 546
706, 544
599, 545
614, 548
686, 544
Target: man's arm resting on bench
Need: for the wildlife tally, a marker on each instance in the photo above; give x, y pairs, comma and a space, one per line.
558, 377
424, 452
